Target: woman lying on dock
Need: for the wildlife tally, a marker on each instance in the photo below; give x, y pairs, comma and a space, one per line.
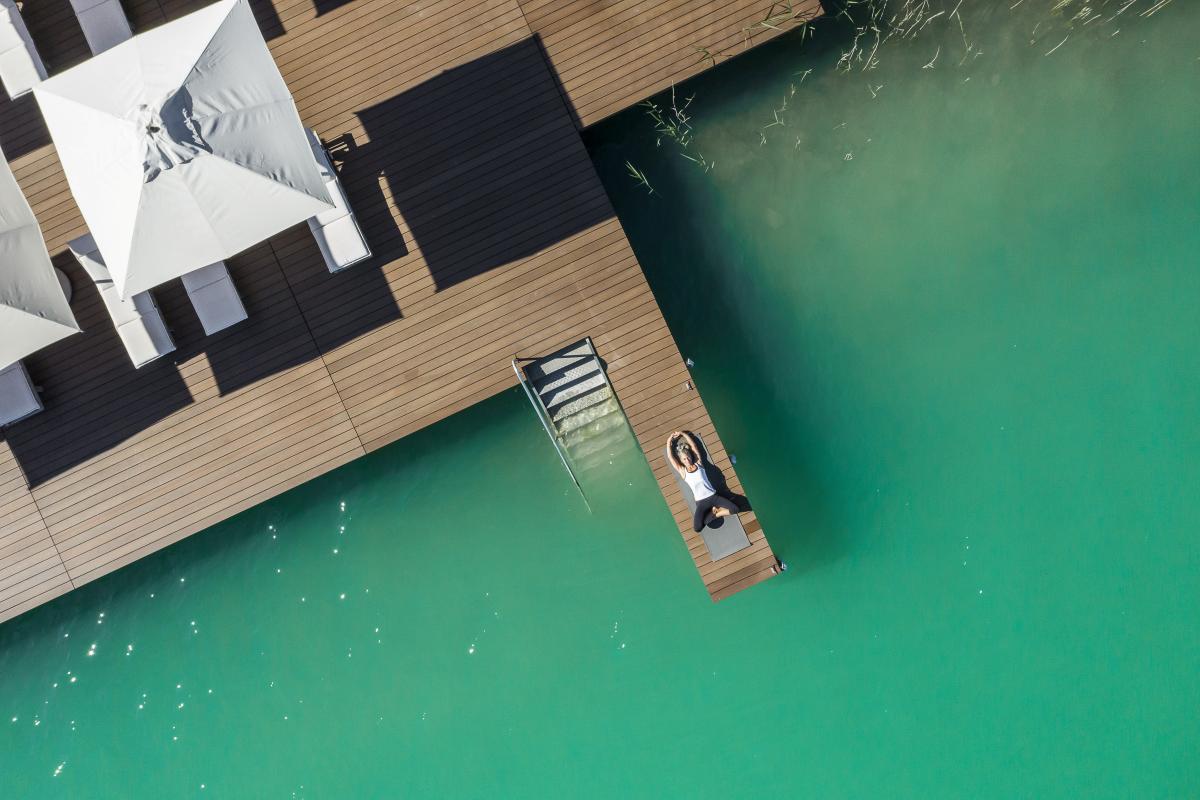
684, 454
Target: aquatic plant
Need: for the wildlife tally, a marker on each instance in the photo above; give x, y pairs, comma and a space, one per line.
782, 16
1086, 11
778, 113
869, 26
878, 21
873, 24
1071, 16
675, 125
639, 177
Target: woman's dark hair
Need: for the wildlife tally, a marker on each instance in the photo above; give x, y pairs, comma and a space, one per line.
684, 452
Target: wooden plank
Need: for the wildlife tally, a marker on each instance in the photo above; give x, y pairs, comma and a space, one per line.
493, 234
31, 569
610, 56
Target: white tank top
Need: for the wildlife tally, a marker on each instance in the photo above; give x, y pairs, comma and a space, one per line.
698, 482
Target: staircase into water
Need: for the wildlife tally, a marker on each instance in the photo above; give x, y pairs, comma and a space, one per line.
574, 399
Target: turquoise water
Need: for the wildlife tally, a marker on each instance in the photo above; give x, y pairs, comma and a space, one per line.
461, 625
958, 371
946, 318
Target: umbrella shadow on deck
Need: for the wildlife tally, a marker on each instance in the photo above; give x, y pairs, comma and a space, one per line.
325, 6
481, 166
96, 401
148, 14
274, 337
21, 127
483, 163
471, 170
95, 398
338, 307
61, 45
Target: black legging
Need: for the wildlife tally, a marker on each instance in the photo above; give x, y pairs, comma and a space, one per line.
708, 504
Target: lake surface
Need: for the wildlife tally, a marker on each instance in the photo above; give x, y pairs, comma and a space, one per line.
946, 318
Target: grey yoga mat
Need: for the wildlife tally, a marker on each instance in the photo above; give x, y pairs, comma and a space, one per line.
728, 536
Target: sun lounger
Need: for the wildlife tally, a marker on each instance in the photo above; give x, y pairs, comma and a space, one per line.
20, 65
725, 535
137, 319
18, 398
214, 297
337, 231
103, 22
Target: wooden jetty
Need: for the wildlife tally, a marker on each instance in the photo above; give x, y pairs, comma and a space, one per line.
458, 130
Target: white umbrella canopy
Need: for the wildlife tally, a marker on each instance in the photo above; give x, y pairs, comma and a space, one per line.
182, 146
33, 309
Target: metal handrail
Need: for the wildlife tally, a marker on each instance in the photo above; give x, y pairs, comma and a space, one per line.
547, 425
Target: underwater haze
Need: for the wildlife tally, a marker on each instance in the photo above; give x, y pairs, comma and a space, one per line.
943, 305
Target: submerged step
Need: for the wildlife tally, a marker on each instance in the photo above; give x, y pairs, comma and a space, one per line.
598, 419
576, 404
583, 412
600, 440
565, 413
578, 408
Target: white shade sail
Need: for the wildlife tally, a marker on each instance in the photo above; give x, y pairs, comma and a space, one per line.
182, 146
33, 309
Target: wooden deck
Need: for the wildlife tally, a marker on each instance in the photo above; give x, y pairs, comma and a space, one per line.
492, 235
